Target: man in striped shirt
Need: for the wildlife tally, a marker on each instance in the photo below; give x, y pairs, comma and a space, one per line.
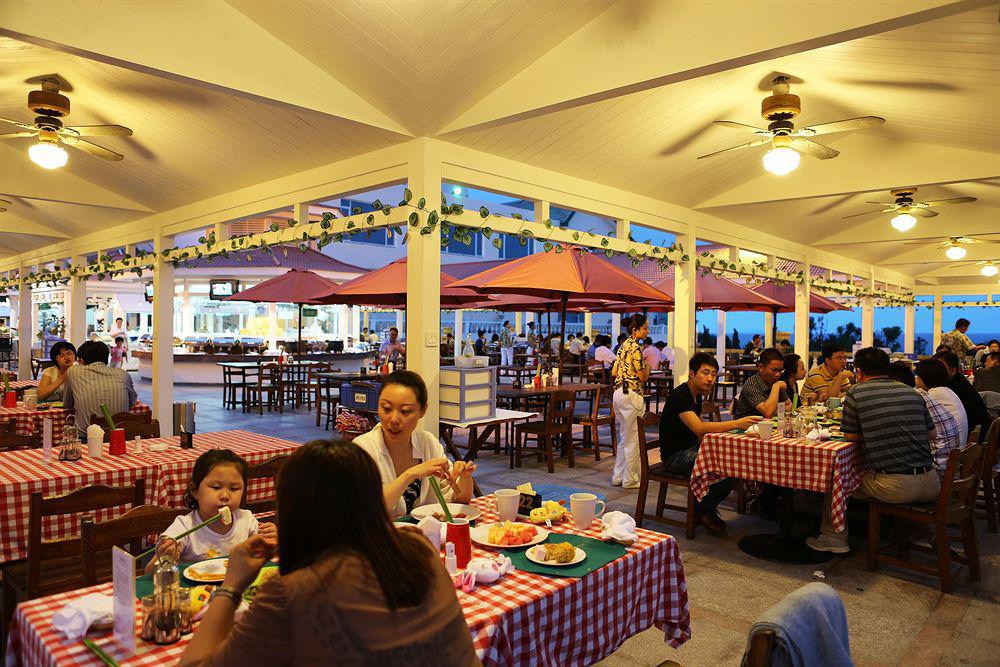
948, 436
94, 384
892, 424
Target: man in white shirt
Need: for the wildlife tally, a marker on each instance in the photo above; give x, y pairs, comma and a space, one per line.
576, 346
650, 355
666, 355
603, 353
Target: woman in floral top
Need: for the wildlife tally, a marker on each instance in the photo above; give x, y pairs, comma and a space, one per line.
630, 372
507, 344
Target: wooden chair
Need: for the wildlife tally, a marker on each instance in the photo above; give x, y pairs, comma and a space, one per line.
988, 503
710, 412
558, 424
269, 469
10, 440
53, 566
130, 528
122, 419
760, 649
723, 390
592, 421
236, 380
306, 390
292, 375
658, 473
270, 383
955, 505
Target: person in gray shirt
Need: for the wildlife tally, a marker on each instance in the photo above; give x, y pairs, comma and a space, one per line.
94, 383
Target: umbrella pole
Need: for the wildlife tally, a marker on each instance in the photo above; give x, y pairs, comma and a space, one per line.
298, 347
562, 332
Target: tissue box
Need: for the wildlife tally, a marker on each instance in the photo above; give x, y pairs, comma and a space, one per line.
468, 393
472, 362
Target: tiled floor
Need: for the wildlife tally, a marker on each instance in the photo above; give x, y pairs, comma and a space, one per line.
895, 617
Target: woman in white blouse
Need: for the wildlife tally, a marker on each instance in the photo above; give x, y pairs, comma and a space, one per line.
932, 377
407, 457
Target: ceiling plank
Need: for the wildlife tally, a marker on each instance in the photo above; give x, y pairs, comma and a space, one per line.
17, 225
637, 46
222, 49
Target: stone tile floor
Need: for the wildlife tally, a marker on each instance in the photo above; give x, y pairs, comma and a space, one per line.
896, 617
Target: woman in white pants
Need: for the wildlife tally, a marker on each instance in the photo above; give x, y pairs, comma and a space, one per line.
630, 373
507, 344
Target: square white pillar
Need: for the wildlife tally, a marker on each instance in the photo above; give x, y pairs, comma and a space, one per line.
25, 329
588, 325
768, 317
423, 285
684, 309
909, 323
272, 326
76, 309
458, 332
616, 328
937, 321
163, 336
867, 321
518, 323
802, 318
720, 337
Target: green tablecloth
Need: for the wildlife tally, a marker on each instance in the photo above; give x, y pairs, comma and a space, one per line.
144, 584
599, 554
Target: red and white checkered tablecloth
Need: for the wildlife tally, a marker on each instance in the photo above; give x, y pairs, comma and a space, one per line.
522, 619
832, 466
167, 473
30, 420
21, 385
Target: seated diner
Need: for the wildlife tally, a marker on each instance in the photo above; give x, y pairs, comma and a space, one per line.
761, 394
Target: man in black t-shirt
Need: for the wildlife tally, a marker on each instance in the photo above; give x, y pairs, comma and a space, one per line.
681, 430
975, 406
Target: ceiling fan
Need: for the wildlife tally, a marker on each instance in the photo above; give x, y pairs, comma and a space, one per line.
991, 267
906, 208
51, 106
780, 108
4, 204
953, 245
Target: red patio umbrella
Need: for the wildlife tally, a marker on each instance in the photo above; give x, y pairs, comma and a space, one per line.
785, 295
387, 287
296, 287
552, 275
714, 292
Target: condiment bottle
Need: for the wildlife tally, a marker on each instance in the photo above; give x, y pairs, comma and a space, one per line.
450, 560
166, 588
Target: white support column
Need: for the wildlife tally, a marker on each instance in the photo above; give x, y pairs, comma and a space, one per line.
356, 322
937, 321
343, 322
25, 328
909, 324
518, 323
399, 322
76, 309
588, 325
616, 327
423, 287
163, 336
720, 337
684, 309
769, 317
366, 318
867, 321
221, 230
301, 213
802, 317
458, 332
623, 228
272, 326
187, 312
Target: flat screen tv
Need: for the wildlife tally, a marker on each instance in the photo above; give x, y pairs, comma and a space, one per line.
220, 289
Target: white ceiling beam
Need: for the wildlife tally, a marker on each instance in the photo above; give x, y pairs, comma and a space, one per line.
636, 46
11, 223
207, 43
867, 163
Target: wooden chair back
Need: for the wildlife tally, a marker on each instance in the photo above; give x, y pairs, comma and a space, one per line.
83, 500
559, 416
10, 440
271, 375
603, 398
760, 649
645, 444
318, 367
711, 412
122, 419
128, 529
961, 481
992, 443
146, 431
267, 470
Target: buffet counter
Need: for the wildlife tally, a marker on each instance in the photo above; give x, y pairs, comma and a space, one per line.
201, 368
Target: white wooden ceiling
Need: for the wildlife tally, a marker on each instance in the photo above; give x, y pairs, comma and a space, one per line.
512, 78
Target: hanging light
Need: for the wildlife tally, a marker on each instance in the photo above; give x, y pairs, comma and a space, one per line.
904, 222
48, 154
457, 191
990, 270
955, 252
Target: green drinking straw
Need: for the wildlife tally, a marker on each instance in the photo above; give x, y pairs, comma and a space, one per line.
96, 650
107, 416
440, 497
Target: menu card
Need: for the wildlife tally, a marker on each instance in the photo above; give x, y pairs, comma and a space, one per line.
123, 574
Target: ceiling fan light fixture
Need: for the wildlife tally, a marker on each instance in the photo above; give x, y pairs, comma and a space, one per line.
990, 270
48, 155
780, 161
955, 252
904, 222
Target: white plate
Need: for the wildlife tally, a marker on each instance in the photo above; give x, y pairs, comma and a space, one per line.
480, 535
577, 558
208, 571
471, 512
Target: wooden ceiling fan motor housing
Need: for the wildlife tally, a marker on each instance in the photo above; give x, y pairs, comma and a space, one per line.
784, 106
904, 196
48, 103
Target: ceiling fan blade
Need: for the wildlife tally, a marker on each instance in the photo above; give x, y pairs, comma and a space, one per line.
923, 213
742, 126
840, 126
808, 147
856, 215
953, 200
101, 130
15, 135
881, 203
93, 149
21, 125
752, 144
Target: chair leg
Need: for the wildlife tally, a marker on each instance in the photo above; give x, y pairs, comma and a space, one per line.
689, 519
661, 499
741, 497
550, 455
640, 502
944, 557
971, 547
568, 447
596, 442
990, 498
517, 446
873, 526
614, 438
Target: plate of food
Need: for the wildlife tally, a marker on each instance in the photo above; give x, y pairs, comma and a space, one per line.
211, 571
458, 511
266, 573
558, 554
508, 534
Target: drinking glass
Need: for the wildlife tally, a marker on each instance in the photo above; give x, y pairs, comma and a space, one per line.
583, 506
507, 501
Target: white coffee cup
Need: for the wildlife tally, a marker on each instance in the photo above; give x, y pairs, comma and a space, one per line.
765, 428
507, 501
584, 508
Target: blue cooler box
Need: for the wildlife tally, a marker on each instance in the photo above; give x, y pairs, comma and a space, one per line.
360, 395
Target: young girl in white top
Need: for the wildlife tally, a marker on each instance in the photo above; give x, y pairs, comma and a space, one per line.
406, 457
218, 480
